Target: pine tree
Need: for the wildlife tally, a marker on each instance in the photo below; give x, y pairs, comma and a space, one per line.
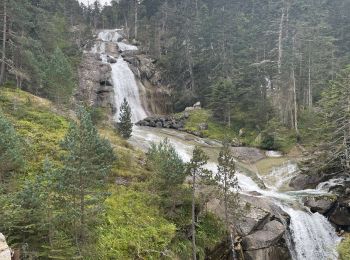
125, 124
335, 105
88, 161
11, 151
169, 171
222, 100
195, 168
4, 40
59, 77
227, 181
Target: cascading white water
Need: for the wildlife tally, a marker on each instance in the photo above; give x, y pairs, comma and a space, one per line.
125, 86
124, 82
313, 237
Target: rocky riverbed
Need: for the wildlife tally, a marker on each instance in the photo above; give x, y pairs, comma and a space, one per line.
335, 207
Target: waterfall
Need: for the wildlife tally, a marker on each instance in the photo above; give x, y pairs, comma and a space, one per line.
312, 236
124, 81
125, 86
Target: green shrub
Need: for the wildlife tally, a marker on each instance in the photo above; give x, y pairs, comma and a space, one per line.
344, 249
133, 228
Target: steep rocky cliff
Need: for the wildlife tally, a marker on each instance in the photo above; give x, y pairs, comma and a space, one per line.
95, 75
157, 95
95, 83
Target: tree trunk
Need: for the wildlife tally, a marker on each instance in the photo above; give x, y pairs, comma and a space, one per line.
136, 18
4, 39
309, 81
280, 43
82, 209
228, 226
194, 249
295, 103
346, 137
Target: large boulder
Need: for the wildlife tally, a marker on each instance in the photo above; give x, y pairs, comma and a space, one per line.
305, 181
5, 251
269, 253
262, 228
254, 218
320, 204
340, 215
197, 105
266, 237
248, 154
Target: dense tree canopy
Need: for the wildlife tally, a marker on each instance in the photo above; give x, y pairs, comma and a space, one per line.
279, 53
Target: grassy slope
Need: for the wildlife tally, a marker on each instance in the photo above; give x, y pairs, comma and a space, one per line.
285, 138
42, 126
215, 130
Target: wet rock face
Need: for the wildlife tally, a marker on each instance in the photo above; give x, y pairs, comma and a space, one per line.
262, 229
340, 215
336, 206
320, 204
5, 251
264, 239
270, 253
303, 181
95, 83
269, 235
145, 70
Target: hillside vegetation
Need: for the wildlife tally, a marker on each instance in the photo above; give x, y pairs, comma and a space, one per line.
132, 220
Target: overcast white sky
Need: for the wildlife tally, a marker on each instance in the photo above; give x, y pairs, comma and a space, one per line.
91, 1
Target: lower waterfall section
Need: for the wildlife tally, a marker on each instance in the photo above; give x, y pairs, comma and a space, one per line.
313, 237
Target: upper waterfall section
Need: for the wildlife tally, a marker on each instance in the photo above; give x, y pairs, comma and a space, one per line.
109, 46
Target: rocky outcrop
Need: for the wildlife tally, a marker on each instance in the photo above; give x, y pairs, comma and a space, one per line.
95, 83
163, 122
270, 253
305, 181
196, 106
269, 235
336, 207
145, 69
340, 214
261, 228
173, 122
5, 251
248, 154
320, 204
